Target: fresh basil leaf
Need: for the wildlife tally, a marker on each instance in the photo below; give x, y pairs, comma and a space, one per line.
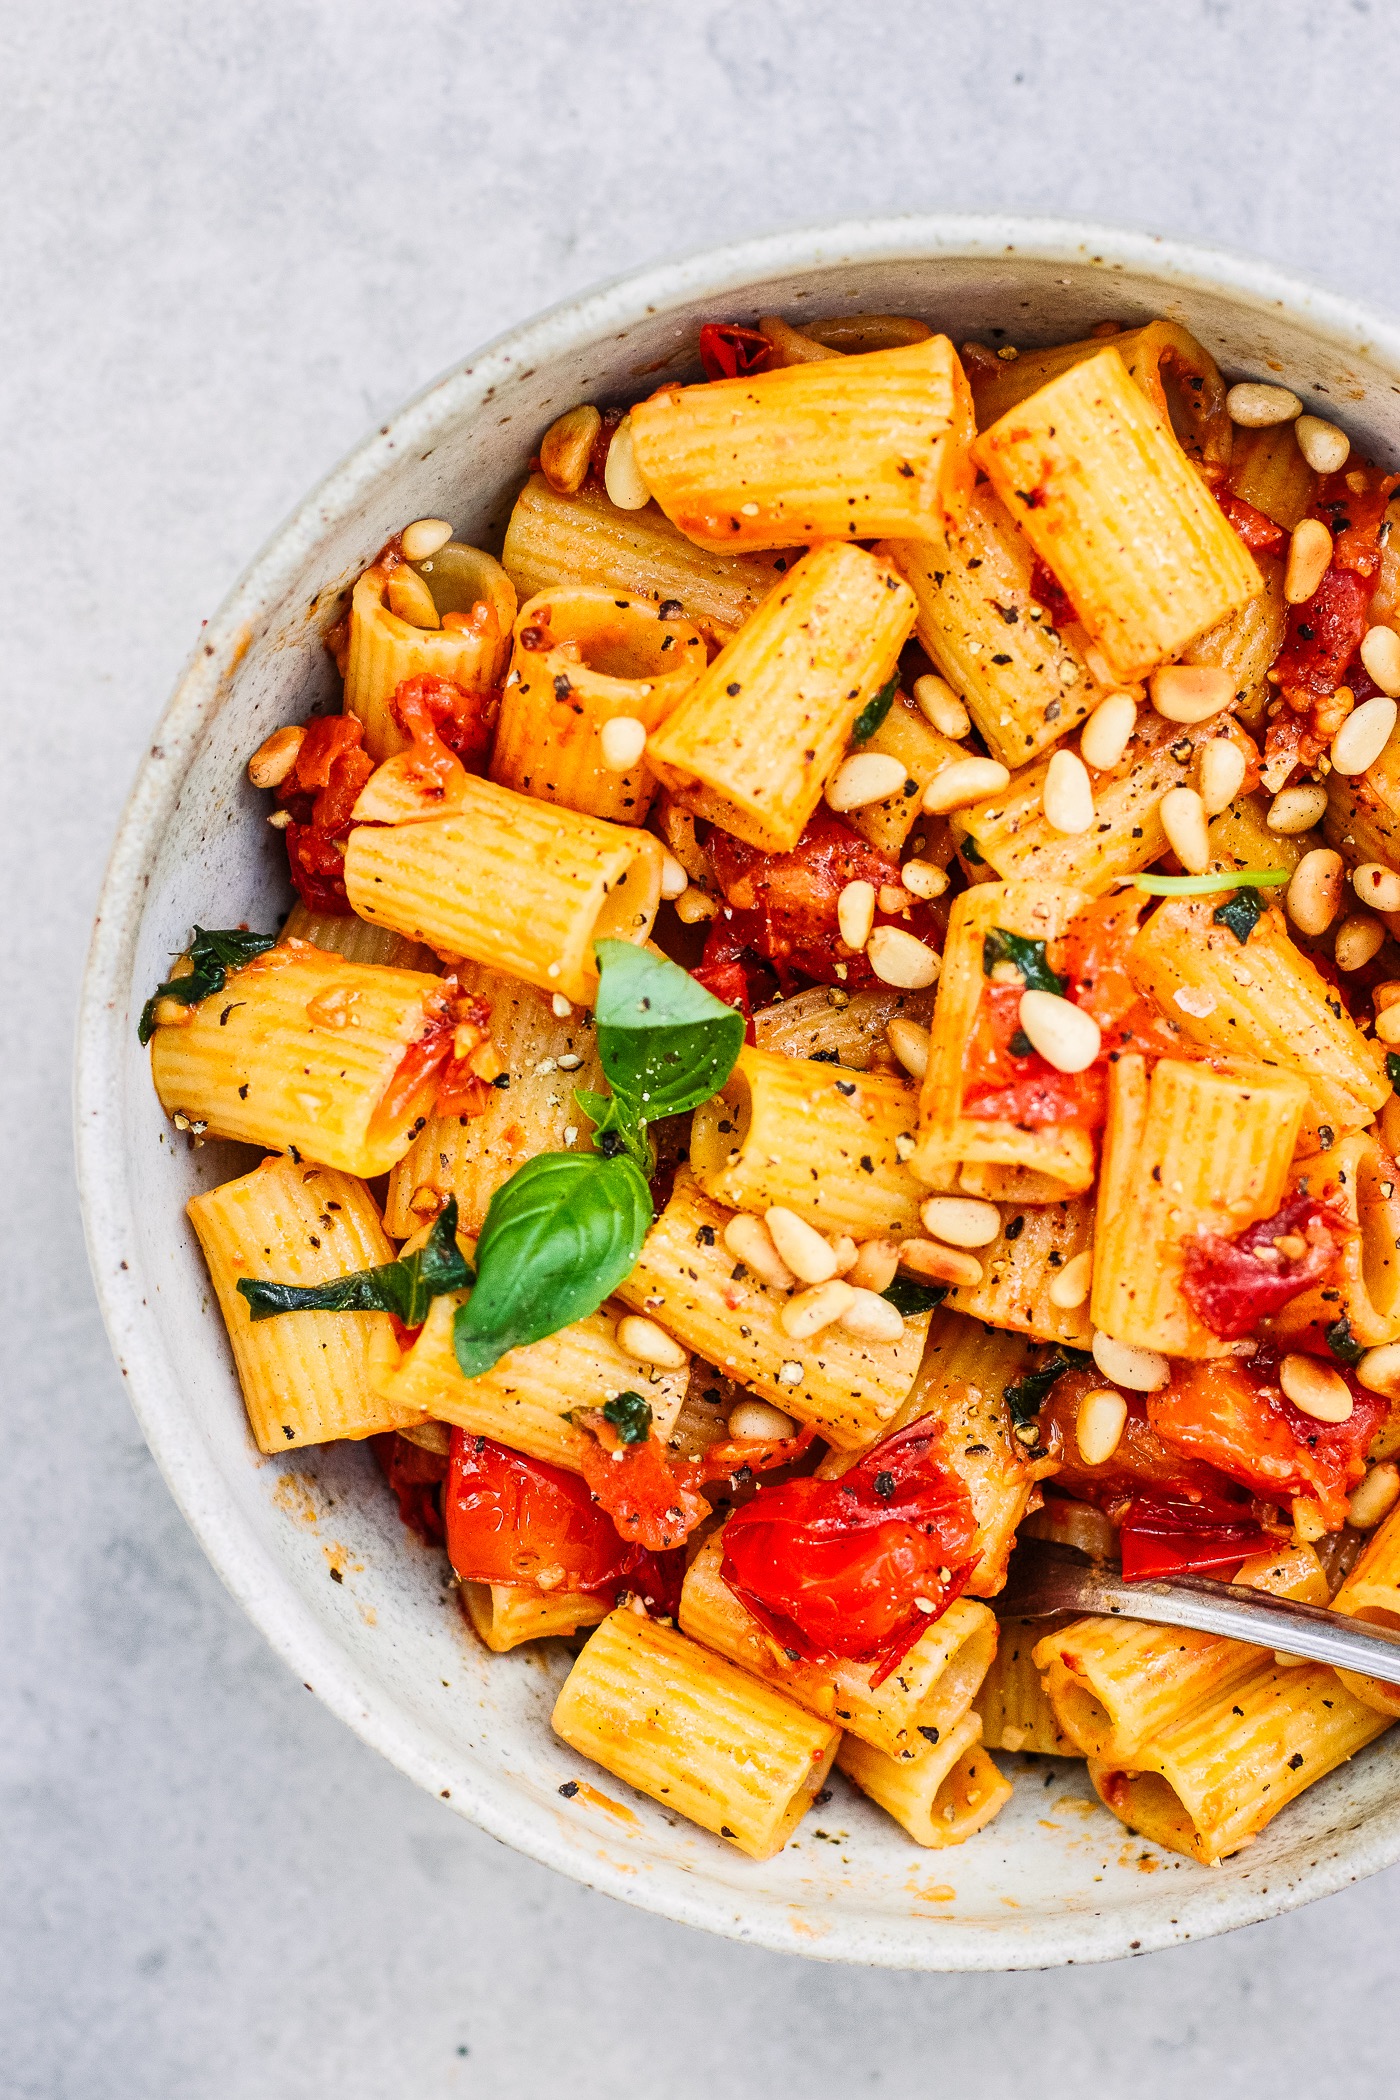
630, 1416
1026, 1395
1241, 913
563, 1232
666, 1044
1392, 1068
1028, 957
1202, 885
1343, 1343
406, 1287
874, 711
911, 1299
211, 956
970, 851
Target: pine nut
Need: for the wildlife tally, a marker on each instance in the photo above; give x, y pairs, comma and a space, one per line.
1070, 1286
621, 742
821, 1306
421, 540
275, 757
693, 905
1371, 1502
875, 1266
674, 880
1388, 1026
866, 777
1254, 405
872, 1318
1315, 1388
748, 1239
1358, 942
1364, 735
1222, 775
567, 447
649, 1344
922, 879
1380, 653
1099, 1425
1325, 448
966, 781
1379, 1369
1309, 558
1104, 737
1065, 1035
1297, 809
847, 1253
811, 1258
622, 477
1191, 692
899, 959
560, 1006
756, 1419
1314, 895
960, 1221
1385, 995
1067, 797
855, 913
939, 1264
1183, 818
410, 599
1140, 1370
910, 1045
894, 897
1377, 885
942, 707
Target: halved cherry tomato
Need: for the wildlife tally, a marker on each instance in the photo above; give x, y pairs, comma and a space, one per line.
513, 1519
1141, 1462
1166, 1535
1234, 1283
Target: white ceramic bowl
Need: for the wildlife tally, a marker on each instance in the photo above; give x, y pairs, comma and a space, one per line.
1055, 1879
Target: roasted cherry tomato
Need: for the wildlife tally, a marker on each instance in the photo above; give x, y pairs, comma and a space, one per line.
415, 1475
1233, 1284
319, 793
1166, 1535
514, 1519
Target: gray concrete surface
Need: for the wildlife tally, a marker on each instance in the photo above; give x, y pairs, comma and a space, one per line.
234, 234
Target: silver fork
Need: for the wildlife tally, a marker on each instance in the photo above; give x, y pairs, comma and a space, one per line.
1046, 1579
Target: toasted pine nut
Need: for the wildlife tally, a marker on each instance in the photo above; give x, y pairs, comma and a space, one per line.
1099, 1425
172, 1013
1297, 809
942, 707
910, 1044
561, 1007
755, 1418
1379, 1369
894, 897
898, 958
649, 1344
1065, 1035
275, 756
965, 781
873, 1318
1309, 558
1377, 885
960, 1221
940, 1264
1358, 941
1388, 1026
812, 1310
621, 742
1140, 1370
693, 905
1314, 894
1104, 737
410, 599
1255, 405
1380, 653
421, 540
1315, 1388
567, 447
748, 1239
1222, 774
846, 1251
674, 880
811, 1258
1385, 995
1325, 448
1364, 735
1067, 797
875, 1266
1184, 821
1191, 692
1070, 1286
622, 477
1375, 1498
865, 777
922, 879
855, 913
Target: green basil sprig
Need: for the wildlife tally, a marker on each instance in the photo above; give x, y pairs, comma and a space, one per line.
212, 956
1026, 955
1026, 1395
407, 1286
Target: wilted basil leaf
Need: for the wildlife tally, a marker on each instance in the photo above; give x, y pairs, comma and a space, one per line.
211, 956
630, 1416
406, 1287
1026, 1395
874, 711
1028, 956
1241, 913
911, 1299
1343, 1343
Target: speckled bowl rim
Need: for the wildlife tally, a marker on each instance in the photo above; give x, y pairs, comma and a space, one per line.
263, 1588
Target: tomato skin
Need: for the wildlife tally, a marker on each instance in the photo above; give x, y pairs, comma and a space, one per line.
319, 794
1232, 1288
729, 352
511, 1519
1260, 534
1142, 1463
648, 1504
435, 711
1164, 1535
415, 1476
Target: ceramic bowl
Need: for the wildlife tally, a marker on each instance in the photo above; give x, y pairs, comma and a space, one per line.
1055, 1879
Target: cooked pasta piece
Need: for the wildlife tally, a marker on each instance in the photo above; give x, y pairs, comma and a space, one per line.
503, 1615
942, 1799
342, 933
1371, 1592
1363, 811
1268, 471
1240, 837
922, 751
1246, 642
384, 649
697, 1735
1035, 1245
1364, 1289
1015, 1185
850, 1027
1114, 1684
307, 1377
1011, 1702
1162, 352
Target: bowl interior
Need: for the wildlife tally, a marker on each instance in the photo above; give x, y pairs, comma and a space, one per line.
310, 1543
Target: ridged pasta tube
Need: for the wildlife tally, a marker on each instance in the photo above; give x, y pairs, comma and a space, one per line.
1036, 1242
1011, 1703
1371, 1593
384, 650
504, 1615
944, 1798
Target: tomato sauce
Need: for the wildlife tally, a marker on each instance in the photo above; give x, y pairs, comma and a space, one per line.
319, 794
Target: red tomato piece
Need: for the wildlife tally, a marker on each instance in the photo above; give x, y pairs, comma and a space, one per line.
730, 352
416, 1476
513, 1519
1323, 635
1166, 1535
438, 713
1260, 534
1092, 954
1233, 1284
1022, 1089
319, 793
648, 1504
783, 906
1141, 1462
1047, 590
